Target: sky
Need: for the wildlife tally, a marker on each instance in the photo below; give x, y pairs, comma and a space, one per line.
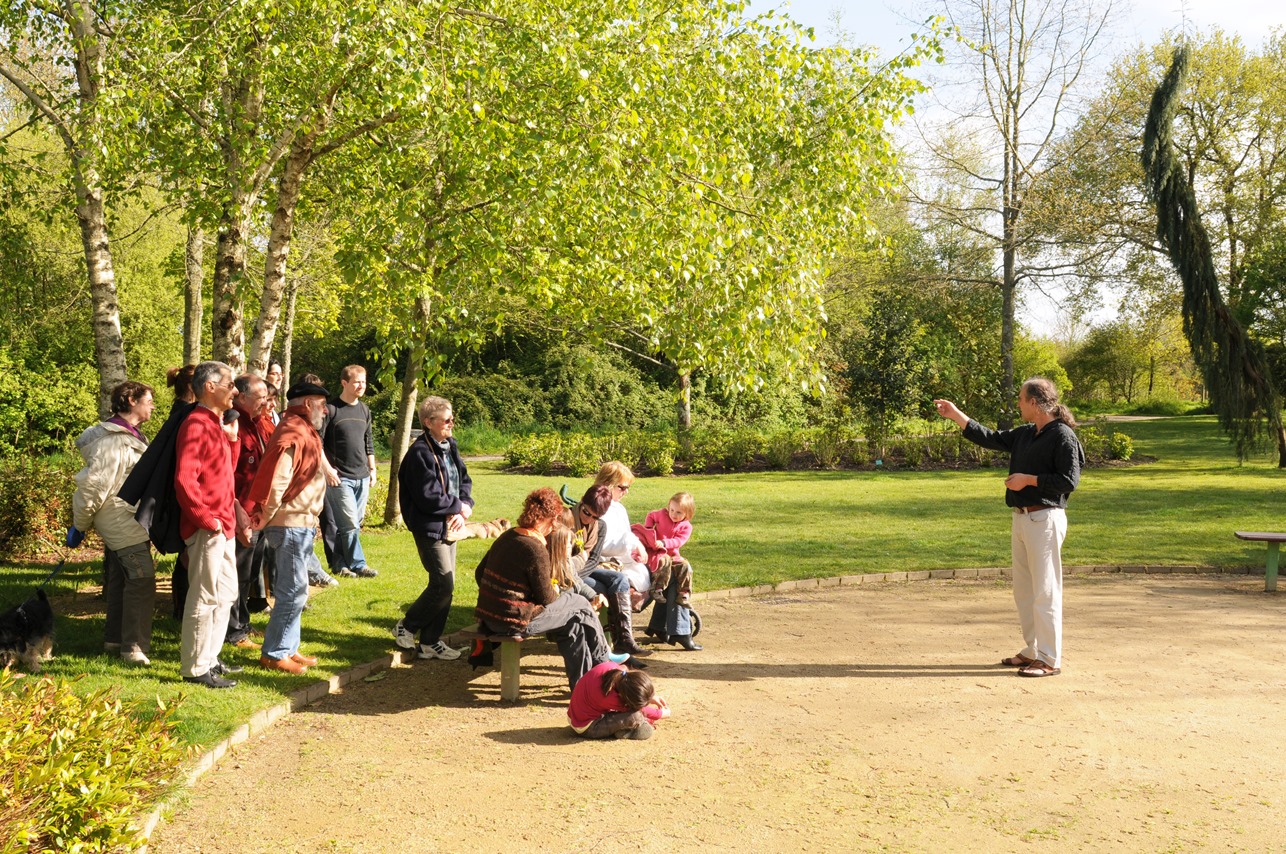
888, 26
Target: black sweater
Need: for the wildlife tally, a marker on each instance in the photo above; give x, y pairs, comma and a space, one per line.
1053, 454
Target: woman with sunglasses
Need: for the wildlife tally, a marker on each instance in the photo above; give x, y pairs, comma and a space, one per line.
618, 540
587, 521
435, 492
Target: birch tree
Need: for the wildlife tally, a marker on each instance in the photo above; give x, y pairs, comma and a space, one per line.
55, 55
1022, 69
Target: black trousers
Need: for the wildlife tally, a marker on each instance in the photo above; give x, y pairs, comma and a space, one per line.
428, 614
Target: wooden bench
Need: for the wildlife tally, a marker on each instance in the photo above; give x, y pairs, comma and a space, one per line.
510, 652
1274, 547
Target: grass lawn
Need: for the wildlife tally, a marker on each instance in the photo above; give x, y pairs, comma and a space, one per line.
749, 529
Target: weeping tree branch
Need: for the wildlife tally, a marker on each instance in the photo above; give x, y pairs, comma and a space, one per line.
1232, 363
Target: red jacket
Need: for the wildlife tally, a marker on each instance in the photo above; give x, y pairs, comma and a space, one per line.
203, 474
251, 442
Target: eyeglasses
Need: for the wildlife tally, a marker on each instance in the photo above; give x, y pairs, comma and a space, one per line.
588, 515
228, 384
448, 422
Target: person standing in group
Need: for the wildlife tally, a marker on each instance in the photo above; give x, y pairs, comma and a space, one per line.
284, 502
350, 448
110, 450
251, 404
1045, 461
273, 376
203, 483
436, 495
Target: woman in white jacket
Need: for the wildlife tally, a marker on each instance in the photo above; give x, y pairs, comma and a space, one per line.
110, 450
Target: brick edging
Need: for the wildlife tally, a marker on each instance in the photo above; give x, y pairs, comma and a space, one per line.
310, 694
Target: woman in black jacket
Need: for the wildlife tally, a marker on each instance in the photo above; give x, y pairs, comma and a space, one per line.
434, 489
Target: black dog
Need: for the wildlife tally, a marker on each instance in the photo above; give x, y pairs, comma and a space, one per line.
27, 633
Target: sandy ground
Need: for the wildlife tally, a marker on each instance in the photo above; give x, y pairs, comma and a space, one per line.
848, 719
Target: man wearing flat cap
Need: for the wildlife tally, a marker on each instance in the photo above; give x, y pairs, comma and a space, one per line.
284, 502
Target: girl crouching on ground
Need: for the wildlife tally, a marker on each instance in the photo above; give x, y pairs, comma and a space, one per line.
612, 701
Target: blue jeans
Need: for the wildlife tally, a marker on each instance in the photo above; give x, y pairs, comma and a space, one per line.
669, 616
290, 585
609, 582
347, 506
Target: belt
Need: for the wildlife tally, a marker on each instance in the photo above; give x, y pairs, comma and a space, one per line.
1033, 508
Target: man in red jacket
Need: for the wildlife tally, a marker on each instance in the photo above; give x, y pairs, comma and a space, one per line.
203, 483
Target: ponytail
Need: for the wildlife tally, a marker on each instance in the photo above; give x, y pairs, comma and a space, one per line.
1044, 394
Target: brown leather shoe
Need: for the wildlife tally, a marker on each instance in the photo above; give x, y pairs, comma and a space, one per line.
305, 660
246, 643
285, 664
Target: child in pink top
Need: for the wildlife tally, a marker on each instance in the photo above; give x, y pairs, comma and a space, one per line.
612, 701
662, 533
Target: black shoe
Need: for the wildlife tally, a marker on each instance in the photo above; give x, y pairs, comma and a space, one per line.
627, 646
659, 637
686, 642
634, 664
365, 572
210, 679
221, 668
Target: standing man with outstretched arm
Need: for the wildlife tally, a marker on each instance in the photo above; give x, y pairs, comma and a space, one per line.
351, 450
1045, 460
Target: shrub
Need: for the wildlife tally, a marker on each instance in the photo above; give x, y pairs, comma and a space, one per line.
35, 504
780, 449
657, 454
77, 771
741, 449
1101, 442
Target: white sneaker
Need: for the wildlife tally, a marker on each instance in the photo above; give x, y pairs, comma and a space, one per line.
135, 656
402, 637
437, 650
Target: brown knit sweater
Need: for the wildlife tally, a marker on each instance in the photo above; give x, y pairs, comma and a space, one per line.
513, 582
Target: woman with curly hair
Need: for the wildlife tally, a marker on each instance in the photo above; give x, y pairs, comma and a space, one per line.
516, 596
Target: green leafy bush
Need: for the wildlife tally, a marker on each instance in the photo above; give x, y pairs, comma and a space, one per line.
1101, 442
35, 504
79, 770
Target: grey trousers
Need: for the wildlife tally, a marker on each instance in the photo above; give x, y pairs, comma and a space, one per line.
130, 590
569, 622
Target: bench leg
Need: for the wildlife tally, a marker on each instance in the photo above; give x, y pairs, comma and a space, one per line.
1270, 568
509, 653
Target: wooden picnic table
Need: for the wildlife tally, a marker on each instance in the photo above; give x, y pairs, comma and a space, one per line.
1274, 542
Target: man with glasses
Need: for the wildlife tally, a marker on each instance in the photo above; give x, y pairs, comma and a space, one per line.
204, 485
435, 492
251, 403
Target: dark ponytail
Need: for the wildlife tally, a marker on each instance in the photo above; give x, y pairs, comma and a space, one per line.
634, 687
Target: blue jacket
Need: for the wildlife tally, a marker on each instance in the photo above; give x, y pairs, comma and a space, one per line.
422, 487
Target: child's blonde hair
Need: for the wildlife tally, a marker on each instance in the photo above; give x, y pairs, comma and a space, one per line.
687, 504
560, 552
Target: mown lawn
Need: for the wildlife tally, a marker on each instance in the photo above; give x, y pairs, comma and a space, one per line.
749, 529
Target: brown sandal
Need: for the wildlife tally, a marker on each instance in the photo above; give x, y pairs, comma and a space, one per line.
1039, 668
1018, 660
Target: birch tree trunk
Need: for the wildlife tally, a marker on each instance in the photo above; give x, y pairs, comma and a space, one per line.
228, 338
274, 275
406, 406
109, 344
193, 303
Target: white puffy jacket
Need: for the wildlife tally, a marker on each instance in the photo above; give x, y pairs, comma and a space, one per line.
110, 452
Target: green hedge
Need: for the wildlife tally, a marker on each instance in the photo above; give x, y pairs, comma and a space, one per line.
35, 504
76, 772
835, 447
